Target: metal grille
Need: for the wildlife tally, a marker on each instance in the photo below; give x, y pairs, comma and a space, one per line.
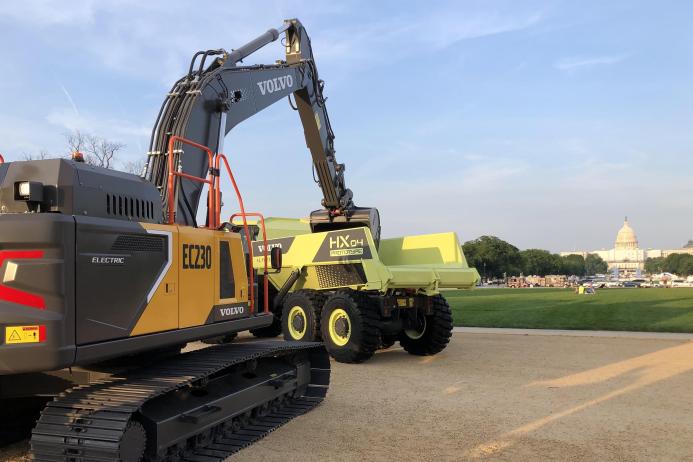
123, 206
347, 274
135, 243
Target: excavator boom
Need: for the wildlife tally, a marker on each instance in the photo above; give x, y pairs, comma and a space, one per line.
208, 102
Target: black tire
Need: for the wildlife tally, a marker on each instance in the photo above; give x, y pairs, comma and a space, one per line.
302, 310
222, 339
275, 328
436, 333
359, 329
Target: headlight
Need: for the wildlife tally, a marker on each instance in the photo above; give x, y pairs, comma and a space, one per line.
30, 191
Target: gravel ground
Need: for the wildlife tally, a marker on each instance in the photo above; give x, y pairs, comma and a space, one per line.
499, 397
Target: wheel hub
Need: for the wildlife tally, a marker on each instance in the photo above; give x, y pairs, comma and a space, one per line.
418, 330
297, 322
339, 327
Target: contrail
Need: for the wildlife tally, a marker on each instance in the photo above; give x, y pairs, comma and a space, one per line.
69, 98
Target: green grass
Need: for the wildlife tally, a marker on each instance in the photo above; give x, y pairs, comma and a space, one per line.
655, 310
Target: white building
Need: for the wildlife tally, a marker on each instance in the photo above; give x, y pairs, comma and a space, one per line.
627, 256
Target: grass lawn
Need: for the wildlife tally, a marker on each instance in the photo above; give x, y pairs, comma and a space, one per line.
656, 310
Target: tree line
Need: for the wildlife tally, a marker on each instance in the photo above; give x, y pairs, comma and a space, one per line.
676, 263
96, 150
496, 258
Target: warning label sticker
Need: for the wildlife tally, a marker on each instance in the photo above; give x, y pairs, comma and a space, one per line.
22, 334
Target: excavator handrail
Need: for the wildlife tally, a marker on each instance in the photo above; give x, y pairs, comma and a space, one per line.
265, 301
212, 213
214, 204
217, 190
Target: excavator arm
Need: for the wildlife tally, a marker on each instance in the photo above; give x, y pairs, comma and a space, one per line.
208, 102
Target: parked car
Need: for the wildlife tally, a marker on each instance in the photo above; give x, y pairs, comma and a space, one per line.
631, 284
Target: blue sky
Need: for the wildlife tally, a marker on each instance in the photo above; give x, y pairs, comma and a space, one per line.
541, 122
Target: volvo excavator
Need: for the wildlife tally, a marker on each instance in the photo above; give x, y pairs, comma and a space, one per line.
104, 276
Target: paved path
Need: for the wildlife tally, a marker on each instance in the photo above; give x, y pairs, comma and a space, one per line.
576, 333
491, 397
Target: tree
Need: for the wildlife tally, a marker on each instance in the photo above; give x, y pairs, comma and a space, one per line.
136, 167
678, 263
98, 151
42, 154
686, 266
492, 256
540, 262
573, 265
654, 265
594, 264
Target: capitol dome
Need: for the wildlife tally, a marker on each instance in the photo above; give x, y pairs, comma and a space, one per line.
626, 239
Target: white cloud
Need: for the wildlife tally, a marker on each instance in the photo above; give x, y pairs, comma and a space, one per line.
136, 38
576, 63
106, 126
443, 29
70, 100
396, 37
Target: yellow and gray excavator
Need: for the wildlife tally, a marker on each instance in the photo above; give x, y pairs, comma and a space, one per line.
104, 276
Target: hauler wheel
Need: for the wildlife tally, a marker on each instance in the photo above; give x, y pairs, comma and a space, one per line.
433, 332
301, 316
133, 442
349, 326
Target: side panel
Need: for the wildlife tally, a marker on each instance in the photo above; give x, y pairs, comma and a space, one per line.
162, 308
331, 259
198, 274
118, 264
231, 279
48, 274
424, 249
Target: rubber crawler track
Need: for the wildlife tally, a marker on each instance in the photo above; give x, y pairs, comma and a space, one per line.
86, 423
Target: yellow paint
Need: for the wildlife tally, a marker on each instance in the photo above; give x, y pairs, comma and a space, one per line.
295, 312
161, 313
185, 297
427, 262
337, 338
21, 334
196, 295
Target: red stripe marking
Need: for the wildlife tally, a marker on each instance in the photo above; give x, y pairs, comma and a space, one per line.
42, 333
13, 295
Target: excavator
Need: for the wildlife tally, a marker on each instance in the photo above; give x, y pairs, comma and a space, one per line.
105, 276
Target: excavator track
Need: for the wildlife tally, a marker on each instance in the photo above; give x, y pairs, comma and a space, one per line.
200, 406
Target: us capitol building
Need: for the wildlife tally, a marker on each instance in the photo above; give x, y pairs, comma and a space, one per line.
627, 258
